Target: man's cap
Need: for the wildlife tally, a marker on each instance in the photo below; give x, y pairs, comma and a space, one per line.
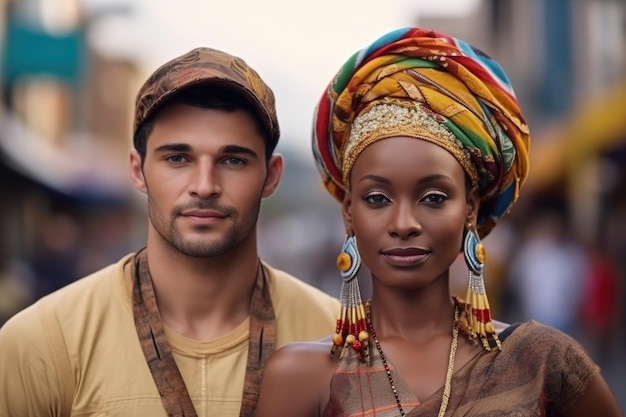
206, 66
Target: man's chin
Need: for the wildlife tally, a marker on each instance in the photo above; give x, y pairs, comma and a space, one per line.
202, 249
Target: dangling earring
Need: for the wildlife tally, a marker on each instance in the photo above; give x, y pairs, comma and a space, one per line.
477, 311
351, 329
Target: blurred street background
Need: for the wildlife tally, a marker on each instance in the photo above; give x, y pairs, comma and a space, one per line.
69, 71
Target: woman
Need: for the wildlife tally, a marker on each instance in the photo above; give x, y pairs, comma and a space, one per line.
421, 139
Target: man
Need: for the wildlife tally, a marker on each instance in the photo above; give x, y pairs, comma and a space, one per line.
184, 326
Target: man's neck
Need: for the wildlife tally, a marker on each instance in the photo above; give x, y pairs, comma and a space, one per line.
203, 298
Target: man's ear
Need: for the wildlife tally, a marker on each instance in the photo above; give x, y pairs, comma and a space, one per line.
274, 172
136, 171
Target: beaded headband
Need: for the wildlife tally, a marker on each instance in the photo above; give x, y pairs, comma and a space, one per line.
386, 120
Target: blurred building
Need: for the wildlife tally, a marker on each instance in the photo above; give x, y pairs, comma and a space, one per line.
66, 208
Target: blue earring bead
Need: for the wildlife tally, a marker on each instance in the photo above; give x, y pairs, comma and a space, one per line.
475, 254
349, 260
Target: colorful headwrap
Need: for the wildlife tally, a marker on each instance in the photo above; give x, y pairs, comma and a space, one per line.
428, 85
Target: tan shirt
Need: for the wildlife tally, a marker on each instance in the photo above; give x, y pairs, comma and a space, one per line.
76, 351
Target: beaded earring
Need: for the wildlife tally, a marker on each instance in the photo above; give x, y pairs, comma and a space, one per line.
351, 329
477, 312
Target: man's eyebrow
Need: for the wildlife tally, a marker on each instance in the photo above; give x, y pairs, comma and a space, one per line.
173, 147
238, 150
227, 149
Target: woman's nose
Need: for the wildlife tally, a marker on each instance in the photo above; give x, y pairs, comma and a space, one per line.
405, 222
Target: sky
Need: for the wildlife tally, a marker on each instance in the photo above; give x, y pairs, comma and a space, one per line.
297, 47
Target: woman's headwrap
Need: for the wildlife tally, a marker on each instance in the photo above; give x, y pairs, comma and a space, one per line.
428, 85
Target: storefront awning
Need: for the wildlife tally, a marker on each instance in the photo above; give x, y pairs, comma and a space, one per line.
597, 125
86, 172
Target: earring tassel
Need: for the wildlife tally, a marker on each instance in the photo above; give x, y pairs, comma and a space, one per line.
477, 311
351, 328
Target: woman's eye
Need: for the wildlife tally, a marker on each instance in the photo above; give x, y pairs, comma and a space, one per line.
435, 198
376, 198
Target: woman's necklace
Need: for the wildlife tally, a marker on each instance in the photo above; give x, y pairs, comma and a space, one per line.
446, 388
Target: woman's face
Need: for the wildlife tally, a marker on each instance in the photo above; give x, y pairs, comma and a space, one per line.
408, 206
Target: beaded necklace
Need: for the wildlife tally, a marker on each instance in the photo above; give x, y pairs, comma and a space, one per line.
446, 388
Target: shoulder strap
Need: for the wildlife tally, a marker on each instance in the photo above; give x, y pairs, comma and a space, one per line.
261, 344
154, 345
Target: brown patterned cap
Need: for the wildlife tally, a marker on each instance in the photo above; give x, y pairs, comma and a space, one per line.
206, 66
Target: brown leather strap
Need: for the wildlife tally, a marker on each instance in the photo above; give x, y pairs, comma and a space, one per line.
159, 357
261, 343
154, 344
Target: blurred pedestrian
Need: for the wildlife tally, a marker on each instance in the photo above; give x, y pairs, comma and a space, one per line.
548, 272
599, 312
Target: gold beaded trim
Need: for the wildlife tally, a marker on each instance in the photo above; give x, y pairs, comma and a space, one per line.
388, 120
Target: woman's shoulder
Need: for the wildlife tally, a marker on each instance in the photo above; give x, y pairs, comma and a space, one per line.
296, 379
553, 345
302, 357
535, 331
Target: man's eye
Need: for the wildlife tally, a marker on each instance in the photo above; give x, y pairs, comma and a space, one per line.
234, 161
176, 159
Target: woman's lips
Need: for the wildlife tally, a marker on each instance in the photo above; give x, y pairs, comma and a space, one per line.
406, 257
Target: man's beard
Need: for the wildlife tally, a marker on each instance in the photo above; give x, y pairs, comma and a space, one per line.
201, 248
